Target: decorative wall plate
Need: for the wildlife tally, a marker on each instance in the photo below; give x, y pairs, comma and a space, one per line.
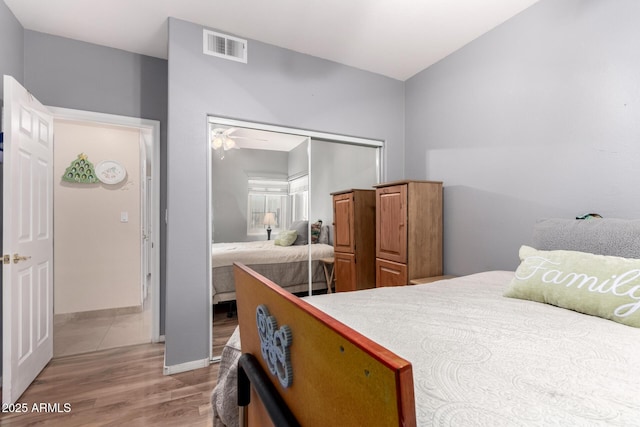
110, 172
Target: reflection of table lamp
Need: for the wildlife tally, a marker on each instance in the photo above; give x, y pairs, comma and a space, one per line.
269, 220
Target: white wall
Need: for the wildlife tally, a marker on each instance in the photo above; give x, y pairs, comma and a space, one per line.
96, 256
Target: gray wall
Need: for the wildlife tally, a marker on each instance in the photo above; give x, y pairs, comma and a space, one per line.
279, 87
337, 167
538, 118
67, 73
230, 190
11, 46
299, 160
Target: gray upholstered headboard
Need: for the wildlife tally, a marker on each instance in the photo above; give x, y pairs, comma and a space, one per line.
329, 233
326, 234
607, 236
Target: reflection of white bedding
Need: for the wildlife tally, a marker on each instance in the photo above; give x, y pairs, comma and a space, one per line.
482, 359
265, 252
285, 265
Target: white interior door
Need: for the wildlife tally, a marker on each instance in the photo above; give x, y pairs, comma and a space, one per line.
27, 240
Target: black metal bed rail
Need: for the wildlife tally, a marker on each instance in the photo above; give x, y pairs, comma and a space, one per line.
250, 373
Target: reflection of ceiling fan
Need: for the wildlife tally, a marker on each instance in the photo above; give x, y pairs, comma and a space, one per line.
224, 140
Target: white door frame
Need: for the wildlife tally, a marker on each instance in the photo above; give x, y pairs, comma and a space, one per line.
150, 130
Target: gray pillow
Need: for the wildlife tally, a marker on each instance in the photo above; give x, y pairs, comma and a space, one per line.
607, 236
302, 228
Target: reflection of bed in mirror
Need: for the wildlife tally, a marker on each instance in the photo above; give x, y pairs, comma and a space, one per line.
270, 174
286, 265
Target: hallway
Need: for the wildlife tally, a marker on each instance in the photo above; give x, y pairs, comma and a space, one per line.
99, 330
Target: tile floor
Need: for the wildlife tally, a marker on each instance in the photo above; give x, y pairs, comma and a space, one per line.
83, 335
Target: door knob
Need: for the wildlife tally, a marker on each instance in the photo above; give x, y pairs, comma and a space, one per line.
17, 258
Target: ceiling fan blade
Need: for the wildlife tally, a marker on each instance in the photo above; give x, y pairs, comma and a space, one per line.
248, 137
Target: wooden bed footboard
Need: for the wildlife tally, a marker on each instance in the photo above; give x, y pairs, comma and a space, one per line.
325, 372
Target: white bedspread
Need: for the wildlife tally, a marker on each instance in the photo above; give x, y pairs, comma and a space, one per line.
265, 252
480, 359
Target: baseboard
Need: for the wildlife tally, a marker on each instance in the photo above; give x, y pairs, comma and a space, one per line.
184, 367
95, 314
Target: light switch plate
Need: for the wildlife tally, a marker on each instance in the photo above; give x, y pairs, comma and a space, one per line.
124, 216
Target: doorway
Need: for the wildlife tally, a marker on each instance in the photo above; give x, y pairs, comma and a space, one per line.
106, 251
27, 230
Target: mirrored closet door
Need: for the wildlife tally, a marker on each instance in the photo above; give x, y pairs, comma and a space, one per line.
271, 207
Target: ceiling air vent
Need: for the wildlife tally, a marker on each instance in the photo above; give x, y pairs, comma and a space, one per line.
225, 46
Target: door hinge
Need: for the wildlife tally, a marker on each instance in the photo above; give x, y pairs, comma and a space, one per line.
6, 259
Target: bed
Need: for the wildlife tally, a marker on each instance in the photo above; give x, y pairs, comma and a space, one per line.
286, 265
480, 358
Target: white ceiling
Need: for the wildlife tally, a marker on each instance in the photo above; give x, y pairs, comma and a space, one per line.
395, 38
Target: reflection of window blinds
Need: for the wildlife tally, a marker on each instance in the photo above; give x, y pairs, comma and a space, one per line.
276, 187
299, 185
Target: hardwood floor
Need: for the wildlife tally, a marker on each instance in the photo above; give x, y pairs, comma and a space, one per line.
122, 386
223, 326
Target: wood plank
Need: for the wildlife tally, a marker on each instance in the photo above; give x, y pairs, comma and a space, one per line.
403, 181
343, 221
121, 386
389, 273
223, 325
391, 223
424, 280
365, 232
354, 239
424, 229
345, 271
339, 375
